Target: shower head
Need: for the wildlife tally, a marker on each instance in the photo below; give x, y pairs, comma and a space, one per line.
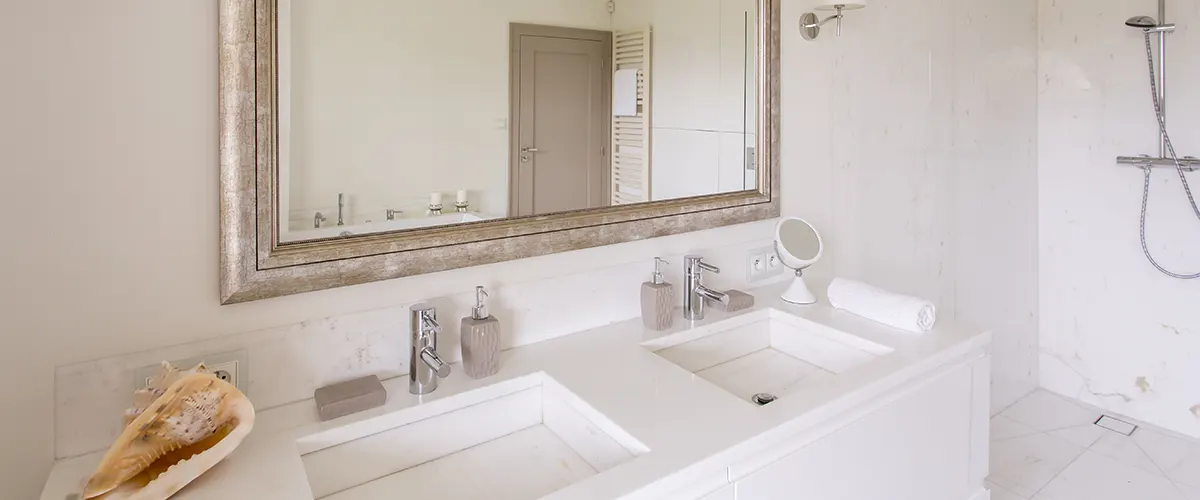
1142, 22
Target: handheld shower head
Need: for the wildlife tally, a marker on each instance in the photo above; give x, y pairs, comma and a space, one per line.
1142, 22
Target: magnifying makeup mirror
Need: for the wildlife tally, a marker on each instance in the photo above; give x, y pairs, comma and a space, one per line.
799, 246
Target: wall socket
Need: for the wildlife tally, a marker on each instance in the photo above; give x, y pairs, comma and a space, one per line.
232, 367
762, 264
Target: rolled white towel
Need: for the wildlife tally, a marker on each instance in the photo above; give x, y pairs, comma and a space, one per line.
895, 310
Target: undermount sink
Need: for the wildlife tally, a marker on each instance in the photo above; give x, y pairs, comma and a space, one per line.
521, 439
766, 352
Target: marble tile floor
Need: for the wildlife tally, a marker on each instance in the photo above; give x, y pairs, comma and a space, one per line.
1045, 447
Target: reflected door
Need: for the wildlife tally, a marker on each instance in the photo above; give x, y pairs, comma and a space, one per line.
562, 88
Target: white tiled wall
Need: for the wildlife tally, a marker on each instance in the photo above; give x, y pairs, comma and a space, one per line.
917, 128
1114, 332
995, 184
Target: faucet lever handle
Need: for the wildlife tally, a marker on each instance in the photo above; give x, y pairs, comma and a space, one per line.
431, 322
695, 263
425, 318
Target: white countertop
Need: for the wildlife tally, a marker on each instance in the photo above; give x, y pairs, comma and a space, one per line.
691, 427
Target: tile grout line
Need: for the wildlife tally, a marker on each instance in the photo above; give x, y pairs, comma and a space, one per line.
1059, 473
1009, 438
1014, 403
1174, 484
995, 487
1046, 432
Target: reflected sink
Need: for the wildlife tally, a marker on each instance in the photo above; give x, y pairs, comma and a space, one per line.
766, 352
521, 439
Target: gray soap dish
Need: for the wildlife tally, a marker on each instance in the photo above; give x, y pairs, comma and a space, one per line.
350, 397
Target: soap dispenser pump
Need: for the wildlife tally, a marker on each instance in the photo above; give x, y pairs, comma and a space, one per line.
480, 339
658, 300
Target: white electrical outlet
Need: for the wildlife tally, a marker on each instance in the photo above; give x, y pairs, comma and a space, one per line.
753, 264
232, 367
762, 264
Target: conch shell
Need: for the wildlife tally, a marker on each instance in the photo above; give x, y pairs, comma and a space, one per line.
180, 426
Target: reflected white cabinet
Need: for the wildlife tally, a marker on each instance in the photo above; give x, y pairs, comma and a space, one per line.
930, 443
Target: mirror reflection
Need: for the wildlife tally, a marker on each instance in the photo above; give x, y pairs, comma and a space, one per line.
397, 115
799, 240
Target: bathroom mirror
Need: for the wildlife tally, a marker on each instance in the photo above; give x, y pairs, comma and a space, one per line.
371, 139
799, 246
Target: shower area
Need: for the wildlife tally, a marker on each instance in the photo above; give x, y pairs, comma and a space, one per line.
1119, 257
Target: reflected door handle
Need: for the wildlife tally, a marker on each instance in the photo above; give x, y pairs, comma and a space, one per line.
525, 153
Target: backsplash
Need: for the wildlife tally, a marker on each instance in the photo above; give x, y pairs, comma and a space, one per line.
286, 364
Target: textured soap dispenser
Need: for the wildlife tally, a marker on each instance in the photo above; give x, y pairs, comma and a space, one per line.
658, 300
480, 339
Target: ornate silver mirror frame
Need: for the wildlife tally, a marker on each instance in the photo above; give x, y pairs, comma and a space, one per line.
255, 265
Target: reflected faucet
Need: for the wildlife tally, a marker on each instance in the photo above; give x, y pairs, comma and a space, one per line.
425, 366
341, 208
694, 291
317, 220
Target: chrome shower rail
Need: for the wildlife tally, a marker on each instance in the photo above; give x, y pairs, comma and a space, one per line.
1189, 164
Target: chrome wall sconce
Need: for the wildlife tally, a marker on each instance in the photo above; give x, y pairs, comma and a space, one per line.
810, 26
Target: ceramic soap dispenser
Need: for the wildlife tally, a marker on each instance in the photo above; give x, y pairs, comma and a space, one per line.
480, 339
658, 300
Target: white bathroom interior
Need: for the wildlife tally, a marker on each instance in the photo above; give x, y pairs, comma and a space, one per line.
1018, 166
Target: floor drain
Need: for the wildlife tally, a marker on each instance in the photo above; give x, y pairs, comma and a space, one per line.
1116, 425
763, 399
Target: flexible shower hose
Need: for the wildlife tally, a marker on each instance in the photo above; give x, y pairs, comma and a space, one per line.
1162, 126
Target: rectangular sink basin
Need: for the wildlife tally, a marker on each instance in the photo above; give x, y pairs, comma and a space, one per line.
767, 352
522, 439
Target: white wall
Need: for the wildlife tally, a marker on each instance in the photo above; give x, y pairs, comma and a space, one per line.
916, 129
703, 112
394, 100
995, 209
1114, 332
114, 138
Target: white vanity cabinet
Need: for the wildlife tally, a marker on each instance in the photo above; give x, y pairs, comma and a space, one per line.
928, 441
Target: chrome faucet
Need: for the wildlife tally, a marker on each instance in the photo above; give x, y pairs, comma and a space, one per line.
425, 367
317, 220
341, 208
694, 291
391, 214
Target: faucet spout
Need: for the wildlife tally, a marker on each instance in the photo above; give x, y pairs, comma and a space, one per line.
710, 294
435, 363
